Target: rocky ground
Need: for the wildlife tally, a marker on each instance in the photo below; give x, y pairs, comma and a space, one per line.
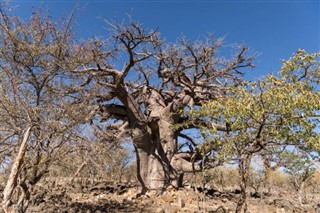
103, 196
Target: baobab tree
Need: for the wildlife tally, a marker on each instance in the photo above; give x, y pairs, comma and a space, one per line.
130, 85
142, 86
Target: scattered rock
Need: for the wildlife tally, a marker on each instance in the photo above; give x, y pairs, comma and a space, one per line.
110, 197
224, 200
160, 210
152, 193
181, 202
167, 198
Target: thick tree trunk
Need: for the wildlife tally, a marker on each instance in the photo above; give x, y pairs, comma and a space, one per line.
156, 173
155, 152
13, 178
155, 143
153, 161
142, 155
158, 164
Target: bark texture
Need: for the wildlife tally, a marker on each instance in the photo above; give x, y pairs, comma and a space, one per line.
12, 183
244, 170
144, 100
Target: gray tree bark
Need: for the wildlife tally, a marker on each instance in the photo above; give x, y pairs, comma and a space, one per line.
7, 203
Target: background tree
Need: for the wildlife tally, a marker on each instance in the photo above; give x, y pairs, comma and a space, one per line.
36, 114
277, 111
272, 160
300, 168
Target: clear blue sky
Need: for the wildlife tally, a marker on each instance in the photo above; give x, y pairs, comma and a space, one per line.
273, 28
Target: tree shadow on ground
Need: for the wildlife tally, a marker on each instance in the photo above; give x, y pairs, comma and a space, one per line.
101, 207
110, 206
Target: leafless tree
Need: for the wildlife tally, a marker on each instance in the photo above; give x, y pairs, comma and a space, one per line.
143, 84
36, 114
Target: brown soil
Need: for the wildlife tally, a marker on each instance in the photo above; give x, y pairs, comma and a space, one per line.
103, 196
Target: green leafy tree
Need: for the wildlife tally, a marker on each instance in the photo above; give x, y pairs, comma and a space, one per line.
300, 168
278, 111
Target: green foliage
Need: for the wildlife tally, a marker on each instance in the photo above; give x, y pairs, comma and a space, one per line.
300, 168
299, 164
302, 67
278, 110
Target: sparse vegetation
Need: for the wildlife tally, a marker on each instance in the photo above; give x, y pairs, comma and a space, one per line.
134, 123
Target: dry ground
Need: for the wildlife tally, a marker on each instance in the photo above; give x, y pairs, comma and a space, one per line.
65, 196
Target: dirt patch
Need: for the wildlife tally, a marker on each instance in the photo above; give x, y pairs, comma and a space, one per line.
103, 196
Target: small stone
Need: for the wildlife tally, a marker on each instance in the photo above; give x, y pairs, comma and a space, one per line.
167, 199
152, 193
181, 202
224, 200
160, 210
167, 207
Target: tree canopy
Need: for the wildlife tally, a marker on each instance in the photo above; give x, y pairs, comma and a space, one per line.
270, 115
